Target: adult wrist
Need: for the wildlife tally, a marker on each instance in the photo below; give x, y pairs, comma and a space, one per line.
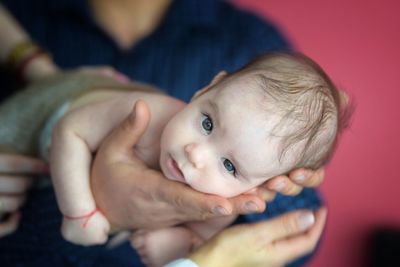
203, 256
29, 61
38, 68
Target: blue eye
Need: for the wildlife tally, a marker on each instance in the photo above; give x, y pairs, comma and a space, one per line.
207, 124
229, 166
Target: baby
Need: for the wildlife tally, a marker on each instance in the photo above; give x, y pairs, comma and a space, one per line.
278, 113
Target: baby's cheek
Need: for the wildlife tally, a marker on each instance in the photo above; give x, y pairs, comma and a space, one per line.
220, 186
201, 183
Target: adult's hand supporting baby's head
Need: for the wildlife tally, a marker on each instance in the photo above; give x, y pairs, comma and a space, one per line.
133, 196
293, 183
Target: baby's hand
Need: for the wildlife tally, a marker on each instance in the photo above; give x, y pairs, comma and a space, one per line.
86, 230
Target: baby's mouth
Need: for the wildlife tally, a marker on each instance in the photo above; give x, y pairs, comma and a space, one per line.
176, 170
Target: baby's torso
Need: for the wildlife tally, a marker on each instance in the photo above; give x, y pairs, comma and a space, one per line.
162, 109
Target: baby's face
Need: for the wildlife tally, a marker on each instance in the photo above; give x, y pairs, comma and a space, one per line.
220, 143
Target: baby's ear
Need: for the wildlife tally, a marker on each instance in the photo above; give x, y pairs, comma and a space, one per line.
217, 78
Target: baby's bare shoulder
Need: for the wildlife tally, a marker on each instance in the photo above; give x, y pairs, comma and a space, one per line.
162, 109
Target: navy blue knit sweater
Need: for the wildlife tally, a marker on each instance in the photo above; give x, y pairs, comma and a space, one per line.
196, 39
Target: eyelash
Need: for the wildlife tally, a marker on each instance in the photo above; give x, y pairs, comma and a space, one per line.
233, 172
204, 117
208, 131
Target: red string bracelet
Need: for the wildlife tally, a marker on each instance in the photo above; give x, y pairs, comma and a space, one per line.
87, 217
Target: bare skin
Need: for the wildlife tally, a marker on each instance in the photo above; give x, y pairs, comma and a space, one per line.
42, 66
16, 174
166, 202
272, 243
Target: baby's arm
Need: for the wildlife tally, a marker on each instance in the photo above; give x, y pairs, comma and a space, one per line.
75, 137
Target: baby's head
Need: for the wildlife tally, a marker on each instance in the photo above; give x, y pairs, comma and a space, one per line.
279, 112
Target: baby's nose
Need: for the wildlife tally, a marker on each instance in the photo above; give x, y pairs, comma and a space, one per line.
195, 155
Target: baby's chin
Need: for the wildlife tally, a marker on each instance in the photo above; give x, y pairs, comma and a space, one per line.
212, 191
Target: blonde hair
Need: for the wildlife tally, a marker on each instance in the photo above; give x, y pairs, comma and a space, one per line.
309, 104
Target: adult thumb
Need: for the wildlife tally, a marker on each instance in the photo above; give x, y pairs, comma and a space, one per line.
127, 133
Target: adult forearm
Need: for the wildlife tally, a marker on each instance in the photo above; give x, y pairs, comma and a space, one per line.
19, 52
11, 33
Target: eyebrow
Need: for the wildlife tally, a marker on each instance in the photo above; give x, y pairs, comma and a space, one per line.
215, 111
213, 105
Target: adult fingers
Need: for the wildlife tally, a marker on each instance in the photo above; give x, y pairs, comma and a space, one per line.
266, 194
11, 203
10, 164
198, 206
126, 135
302, 244
308, 177
10, 225
193, 205
248, 203
283, 185
11, 184
285, 226
297, 179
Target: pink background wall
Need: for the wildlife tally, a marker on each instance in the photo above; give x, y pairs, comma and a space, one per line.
357, 42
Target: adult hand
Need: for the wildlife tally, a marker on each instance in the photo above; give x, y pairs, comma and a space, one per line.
295, 181
133, 196
269, 243
16, 177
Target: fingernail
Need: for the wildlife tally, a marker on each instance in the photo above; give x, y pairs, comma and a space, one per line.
251, 206
279, 186
300, 178
306, 220
267, 195
219, 210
